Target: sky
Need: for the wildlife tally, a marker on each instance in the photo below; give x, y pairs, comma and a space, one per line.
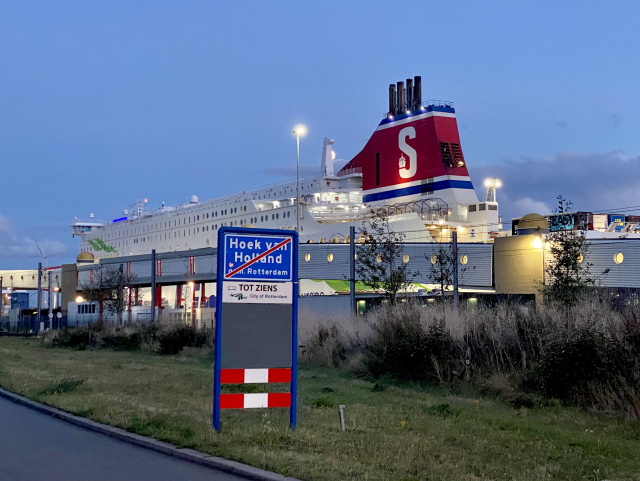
103, 102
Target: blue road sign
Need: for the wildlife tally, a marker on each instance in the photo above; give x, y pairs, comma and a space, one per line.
250, 257
270, 256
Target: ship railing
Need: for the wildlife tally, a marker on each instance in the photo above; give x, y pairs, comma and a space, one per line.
424, 105
354, 170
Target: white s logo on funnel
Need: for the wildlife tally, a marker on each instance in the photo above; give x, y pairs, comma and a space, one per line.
410, 151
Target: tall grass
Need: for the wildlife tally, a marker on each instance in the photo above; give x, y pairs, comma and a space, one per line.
588, 355
164, 337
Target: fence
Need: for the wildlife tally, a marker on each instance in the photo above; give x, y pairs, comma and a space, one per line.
29, 325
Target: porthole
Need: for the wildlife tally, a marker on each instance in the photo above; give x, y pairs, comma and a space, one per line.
330, 257
405, 258
464, 259
434, 259
580, 258
240, 222
307, 257
273, 217
207, 242
277, 216
379, 259
198, 217
261, 218
618, 258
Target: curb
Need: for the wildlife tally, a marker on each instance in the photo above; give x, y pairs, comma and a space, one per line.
203, 459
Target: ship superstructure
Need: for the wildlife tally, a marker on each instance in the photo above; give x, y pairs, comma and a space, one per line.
412, 167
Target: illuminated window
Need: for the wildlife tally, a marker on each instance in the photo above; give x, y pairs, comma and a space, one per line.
329, 257
618, 258
464, 259
307, 257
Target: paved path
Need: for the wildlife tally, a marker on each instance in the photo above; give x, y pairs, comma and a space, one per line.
37, 447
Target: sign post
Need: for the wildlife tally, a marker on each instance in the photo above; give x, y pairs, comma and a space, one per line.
256, 338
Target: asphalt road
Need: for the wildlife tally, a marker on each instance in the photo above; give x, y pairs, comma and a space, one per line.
37, 447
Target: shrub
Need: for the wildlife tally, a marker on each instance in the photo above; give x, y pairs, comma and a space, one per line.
402, 348
587, 354
173, 340
570, 367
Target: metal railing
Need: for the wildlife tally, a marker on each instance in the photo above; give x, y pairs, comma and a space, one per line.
354, 170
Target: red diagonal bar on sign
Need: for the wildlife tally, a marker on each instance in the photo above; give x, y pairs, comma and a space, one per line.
256, 259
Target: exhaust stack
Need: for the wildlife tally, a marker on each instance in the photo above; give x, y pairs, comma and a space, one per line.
417, 91
392, 99
400, 95
410, 106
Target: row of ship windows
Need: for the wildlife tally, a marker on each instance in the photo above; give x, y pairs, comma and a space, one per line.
197, 218
285, 192
197, 230
177, 222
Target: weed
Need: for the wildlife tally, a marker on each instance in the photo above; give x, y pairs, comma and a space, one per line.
63, 387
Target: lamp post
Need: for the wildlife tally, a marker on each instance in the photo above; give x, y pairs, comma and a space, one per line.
300, 130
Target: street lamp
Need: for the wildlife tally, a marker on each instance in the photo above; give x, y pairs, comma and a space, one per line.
299, 130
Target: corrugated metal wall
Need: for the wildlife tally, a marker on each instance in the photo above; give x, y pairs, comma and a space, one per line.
601, 255
477, 272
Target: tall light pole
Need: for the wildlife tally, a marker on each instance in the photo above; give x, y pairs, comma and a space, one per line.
300, 130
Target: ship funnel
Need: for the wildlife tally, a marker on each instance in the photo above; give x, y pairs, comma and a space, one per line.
400, 96
417, 91
410, 106
392, 99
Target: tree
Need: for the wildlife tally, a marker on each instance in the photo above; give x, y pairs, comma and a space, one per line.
380, 264
569, 277
107, 287
442, 266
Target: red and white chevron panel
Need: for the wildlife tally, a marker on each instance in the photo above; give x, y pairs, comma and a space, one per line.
262, 400
253, 376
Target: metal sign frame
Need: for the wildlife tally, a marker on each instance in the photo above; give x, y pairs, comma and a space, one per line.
220, 278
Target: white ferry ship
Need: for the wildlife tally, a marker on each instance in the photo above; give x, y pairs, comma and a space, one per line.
412, 166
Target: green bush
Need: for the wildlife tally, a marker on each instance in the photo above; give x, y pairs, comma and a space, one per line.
72, 338
172, 341
124, 342
570, 367
402, 348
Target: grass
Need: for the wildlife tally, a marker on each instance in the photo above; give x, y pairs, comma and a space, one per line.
392, 432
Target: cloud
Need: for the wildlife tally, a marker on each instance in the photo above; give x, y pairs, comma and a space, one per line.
593, 181
527, 204
613, 120
290, 171
14, 244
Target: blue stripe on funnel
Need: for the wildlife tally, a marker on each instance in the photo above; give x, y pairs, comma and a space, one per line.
418, 189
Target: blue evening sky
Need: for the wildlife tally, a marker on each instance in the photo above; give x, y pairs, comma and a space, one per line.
103, 102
